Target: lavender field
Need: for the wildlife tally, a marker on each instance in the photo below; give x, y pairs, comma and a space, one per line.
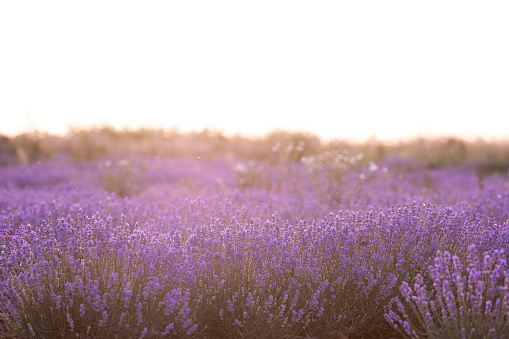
108, 236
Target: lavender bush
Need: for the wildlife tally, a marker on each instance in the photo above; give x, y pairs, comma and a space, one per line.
465, 300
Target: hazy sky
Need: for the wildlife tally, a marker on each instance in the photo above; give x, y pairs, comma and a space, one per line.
340, 69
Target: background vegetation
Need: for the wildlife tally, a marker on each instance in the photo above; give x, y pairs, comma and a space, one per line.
94, 143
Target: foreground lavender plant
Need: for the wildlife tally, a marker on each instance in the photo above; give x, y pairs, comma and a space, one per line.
91, 280
463, 300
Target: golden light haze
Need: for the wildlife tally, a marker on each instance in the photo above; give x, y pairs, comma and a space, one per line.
353, 70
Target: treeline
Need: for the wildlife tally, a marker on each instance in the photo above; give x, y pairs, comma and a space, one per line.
94, 143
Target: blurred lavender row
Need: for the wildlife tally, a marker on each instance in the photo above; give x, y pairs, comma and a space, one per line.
328, 243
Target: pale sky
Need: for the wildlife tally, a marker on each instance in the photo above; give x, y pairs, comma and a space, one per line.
339, 69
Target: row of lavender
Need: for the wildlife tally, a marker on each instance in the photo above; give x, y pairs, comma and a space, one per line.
258, 254
160, 191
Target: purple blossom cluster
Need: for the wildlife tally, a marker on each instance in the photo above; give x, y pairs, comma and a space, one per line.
228, 248
461, 299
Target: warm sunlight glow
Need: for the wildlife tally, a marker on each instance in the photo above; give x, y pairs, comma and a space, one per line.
338, 69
